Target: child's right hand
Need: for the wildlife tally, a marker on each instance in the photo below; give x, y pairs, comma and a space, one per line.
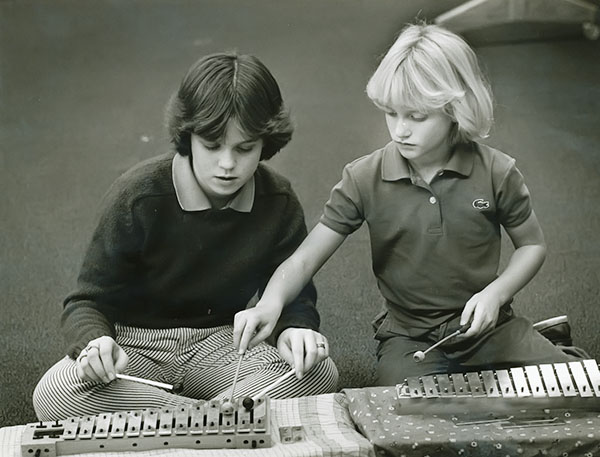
252, 326
482, 311
101, 360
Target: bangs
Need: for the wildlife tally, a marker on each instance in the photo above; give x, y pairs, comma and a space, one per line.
223, 87
211, 120
237, 96
418, 85
213, 125
429, 69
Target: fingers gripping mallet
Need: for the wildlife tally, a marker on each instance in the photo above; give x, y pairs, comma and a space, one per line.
419, 356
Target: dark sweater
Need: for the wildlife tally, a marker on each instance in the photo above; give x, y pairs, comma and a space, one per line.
151, 264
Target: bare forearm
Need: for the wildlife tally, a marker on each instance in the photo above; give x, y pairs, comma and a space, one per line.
522, 267
287, 282
293, 274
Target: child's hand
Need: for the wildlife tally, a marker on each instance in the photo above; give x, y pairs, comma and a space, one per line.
254, 325
482, 309
101, 360
302, 348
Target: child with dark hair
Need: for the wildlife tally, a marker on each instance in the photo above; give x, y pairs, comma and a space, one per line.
184, 241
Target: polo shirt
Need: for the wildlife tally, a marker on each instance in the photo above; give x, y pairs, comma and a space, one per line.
433, 245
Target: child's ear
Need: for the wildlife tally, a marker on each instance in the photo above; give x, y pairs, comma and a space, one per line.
454, 133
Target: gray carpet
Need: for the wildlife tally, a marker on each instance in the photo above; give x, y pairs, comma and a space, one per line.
82, 91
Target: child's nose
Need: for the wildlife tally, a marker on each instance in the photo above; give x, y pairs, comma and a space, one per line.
403, 129
227, 159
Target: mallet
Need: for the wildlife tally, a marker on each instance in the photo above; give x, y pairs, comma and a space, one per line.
248, 402
162, 385
419, 356
227, 406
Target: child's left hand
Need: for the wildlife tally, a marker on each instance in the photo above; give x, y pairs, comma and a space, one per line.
302, 348
482, 310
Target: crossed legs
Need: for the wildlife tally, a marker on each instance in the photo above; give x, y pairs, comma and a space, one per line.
200, 362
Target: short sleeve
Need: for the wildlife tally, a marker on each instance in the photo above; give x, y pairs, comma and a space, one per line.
343, 212
513, 199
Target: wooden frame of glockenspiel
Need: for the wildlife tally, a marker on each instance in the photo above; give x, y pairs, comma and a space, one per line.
200, 426
572, 385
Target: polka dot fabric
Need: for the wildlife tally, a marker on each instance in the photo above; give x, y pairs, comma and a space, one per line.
375, 414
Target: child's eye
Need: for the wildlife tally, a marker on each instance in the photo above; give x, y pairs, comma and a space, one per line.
246, 148
418, 116
389, 112
212, 146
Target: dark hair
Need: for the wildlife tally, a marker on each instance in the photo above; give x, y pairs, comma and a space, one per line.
225, 86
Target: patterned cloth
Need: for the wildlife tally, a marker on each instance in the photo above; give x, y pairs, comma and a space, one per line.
328, 426
374, 411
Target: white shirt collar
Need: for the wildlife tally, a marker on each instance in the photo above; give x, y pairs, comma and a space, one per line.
191, 197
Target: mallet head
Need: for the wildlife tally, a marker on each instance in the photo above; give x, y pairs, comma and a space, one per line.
227, 408
248, 403
419, 356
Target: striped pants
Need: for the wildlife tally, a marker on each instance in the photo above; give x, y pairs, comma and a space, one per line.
201, 362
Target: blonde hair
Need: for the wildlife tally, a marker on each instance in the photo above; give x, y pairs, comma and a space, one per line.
429, 68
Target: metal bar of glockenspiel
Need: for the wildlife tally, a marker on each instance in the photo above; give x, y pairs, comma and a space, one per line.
134, 424
150, 418
520, 382
102, 426
591, 368
491, 386
505, 384
565, 380
535, 381
430, 388
550, 381
475, 386
118, 425
580, 379
445, 386
460, 386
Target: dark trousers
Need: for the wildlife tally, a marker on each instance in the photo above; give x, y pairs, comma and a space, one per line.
513, 342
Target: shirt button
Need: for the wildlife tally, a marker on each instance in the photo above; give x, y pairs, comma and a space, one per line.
209, 311
432, 200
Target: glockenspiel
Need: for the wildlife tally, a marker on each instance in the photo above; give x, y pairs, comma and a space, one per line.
572, 385
200, 426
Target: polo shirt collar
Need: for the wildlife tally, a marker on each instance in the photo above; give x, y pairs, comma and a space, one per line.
461, 160
191, 197
395, 167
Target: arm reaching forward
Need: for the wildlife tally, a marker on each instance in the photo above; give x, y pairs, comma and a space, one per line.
253, 325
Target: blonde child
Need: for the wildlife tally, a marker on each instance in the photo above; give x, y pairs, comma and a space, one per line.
434, 200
